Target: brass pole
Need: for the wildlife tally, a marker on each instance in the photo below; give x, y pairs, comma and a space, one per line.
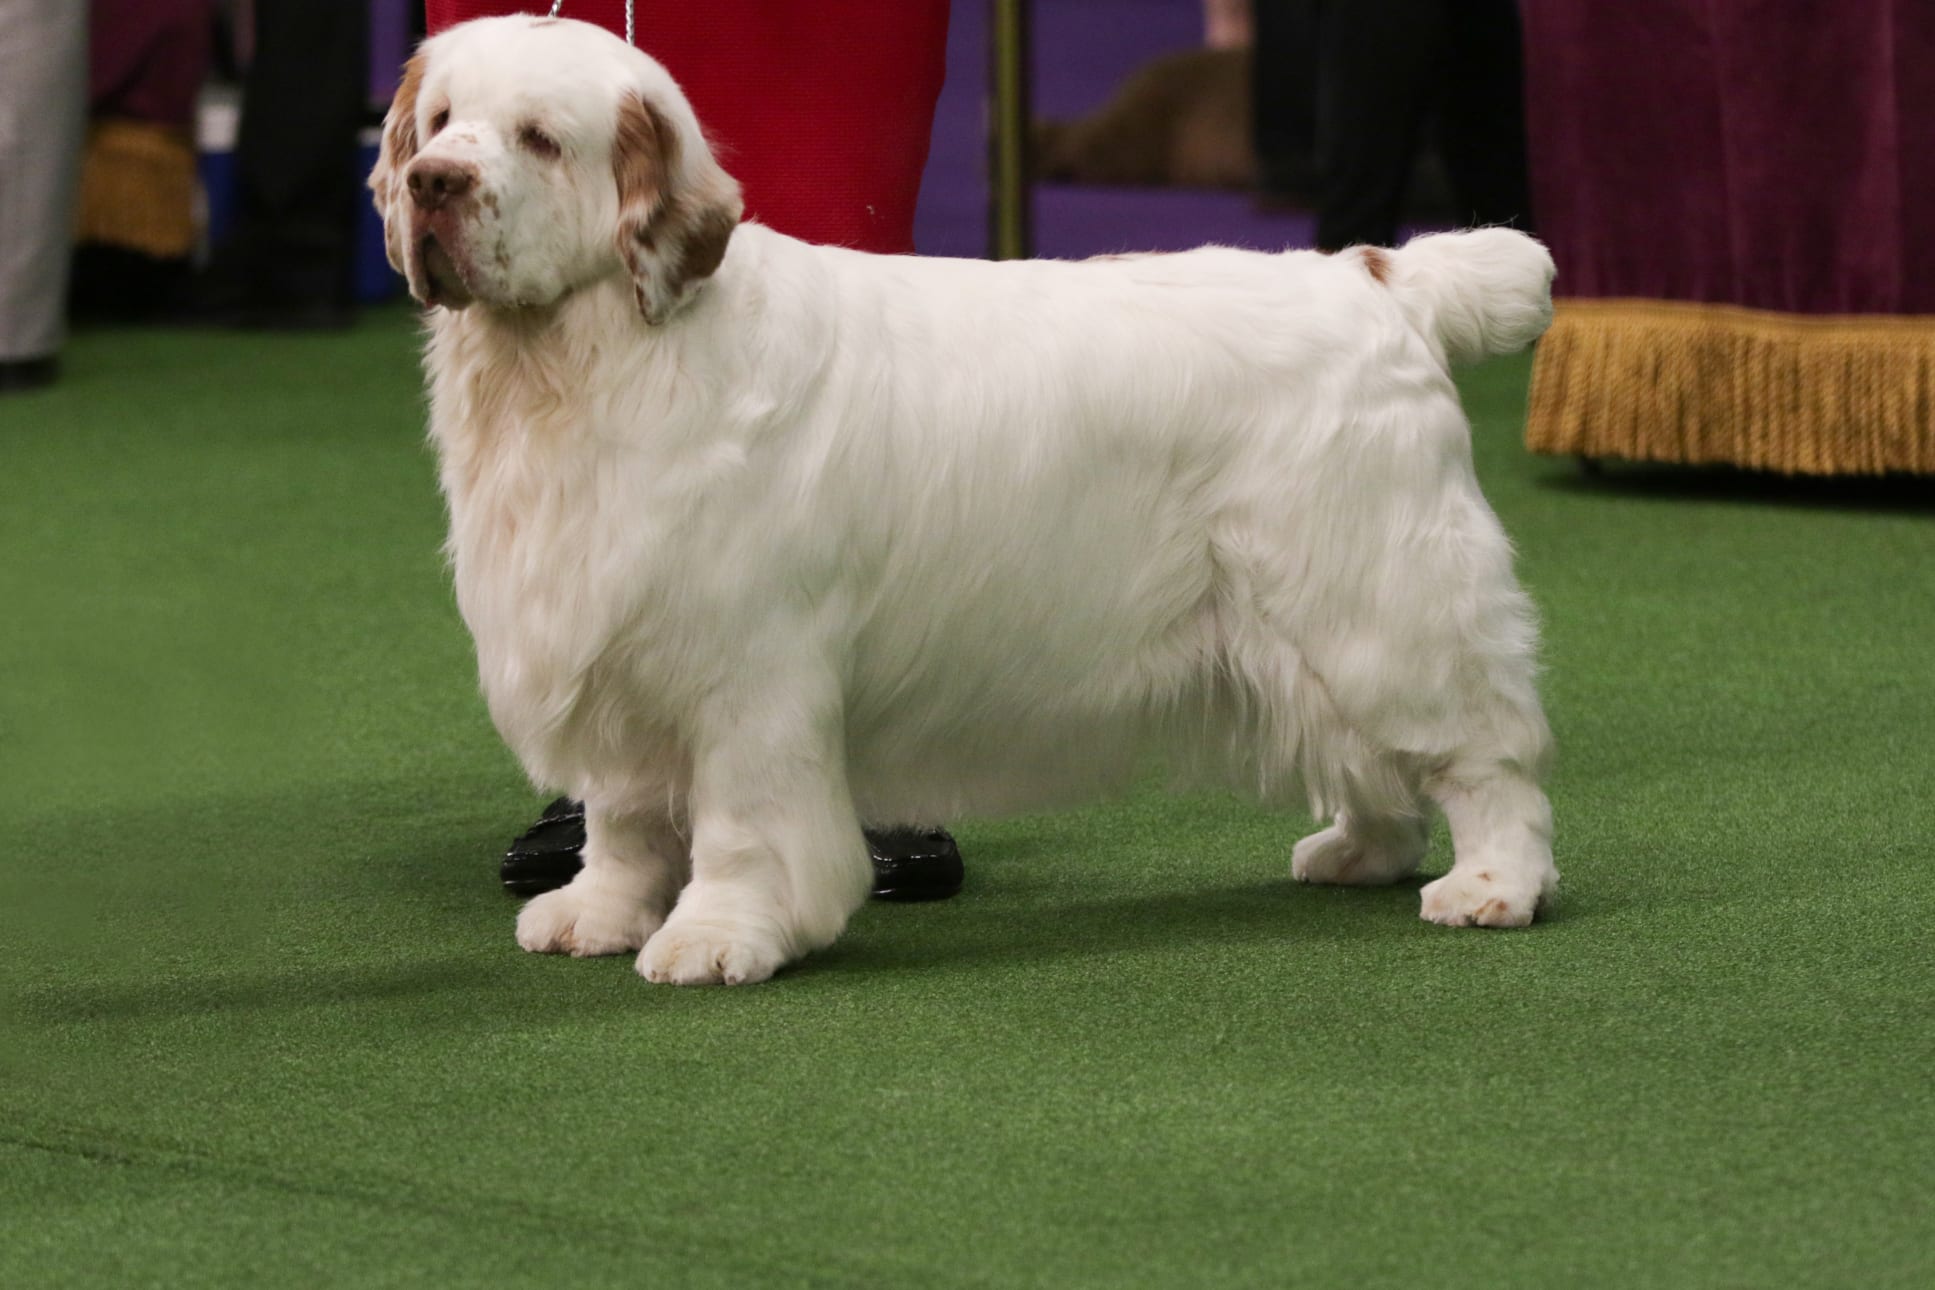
1010, 201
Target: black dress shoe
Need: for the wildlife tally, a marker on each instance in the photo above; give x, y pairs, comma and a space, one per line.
21, 374
908, 864
914, 864
545, 856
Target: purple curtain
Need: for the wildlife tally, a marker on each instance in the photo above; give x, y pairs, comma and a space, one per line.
1778, 154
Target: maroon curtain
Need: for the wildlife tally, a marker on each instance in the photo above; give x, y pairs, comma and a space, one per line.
1778, 154
147, 58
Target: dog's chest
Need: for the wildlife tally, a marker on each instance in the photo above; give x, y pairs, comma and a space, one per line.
558, 560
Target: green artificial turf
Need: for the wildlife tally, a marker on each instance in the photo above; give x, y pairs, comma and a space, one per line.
262, 1021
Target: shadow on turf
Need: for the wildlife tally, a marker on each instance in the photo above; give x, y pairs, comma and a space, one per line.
252, 991
1026, 902
1021, 906
1899, 494
1001, 923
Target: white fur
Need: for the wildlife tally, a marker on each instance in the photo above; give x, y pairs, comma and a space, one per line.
859, 537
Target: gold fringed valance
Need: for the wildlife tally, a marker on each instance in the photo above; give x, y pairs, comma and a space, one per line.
1651, 380
138, 188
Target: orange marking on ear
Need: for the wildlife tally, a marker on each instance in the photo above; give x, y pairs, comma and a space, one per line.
642, 155
672, 229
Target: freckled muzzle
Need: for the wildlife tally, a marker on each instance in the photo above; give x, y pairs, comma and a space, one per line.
443, 198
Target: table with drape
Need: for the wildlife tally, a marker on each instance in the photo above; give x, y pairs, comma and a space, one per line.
1740, 196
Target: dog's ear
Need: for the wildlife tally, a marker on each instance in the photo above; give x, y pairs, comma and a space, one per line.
393, 157
676, 208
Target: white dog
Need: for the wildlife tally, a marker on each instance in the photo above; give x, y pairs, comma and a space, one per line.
759, 539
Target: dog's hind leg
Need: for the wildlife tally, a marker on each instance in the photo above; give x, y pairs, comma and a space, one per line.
778, 859
1487, 780
1380, 827
633, 868
1501, 833
1433, 671
1363, 847
1478, 744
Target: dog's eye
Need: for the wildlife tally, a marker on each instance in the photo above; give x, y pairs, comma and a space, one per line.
440, 120
538, 141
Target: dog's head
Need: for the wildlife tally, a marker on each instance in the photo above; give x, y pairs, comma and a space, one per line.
524, 158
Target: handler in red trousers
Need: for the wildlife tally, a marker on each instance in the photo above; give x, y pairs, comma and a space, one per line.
822, 112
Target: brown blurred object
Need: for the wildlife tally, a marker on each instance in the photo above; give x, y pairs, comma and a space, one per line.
1183, 120
1188, 120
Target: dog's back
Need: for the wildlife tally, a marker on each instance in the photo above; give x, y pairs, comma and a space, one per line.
1062, 567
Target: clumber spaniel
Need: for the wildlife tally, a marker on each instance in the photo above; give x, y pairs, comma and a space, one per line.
759, 539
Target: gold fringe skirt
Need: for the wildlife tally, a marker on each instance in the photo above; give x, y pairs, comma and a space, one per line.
1650, 380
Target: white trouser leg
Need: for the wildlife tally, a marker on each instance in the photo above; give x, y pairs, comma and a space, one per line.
43, 123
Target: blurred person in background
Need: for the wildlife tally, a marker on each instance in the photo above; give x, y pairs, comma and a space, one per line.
43, 116
1385, 71
289, 262
136, 231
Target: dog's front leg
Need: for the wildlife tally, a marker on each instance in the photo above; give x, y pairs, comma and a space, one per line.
633, 868
778, 860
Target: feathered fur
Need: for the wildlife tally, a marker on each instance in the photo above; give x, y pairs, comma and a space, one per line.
806, 536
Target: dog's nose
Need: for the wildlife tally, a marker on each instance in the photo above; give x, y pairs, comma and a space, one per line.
433, 183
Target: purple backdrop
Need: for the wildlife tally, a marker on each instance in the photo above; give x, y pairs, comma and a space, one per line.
1083, 49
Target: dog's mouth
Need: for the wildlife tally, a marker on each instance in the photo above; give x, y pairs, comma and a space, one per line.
440, 272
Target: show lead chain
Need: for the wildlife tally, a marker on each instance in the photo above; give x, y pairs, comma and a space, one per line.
559, 4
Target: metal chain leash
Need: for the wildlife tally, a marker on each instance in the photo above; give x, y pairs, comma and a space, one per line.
559, 4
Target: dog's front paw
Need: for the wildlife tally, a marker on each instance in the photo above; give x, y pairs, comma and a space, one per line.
586, 919
1481, 898
1333, 856
707, 954
705, 942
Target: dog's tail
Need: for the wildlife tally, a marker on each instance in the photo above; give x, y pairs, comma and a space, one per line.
1479, 293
